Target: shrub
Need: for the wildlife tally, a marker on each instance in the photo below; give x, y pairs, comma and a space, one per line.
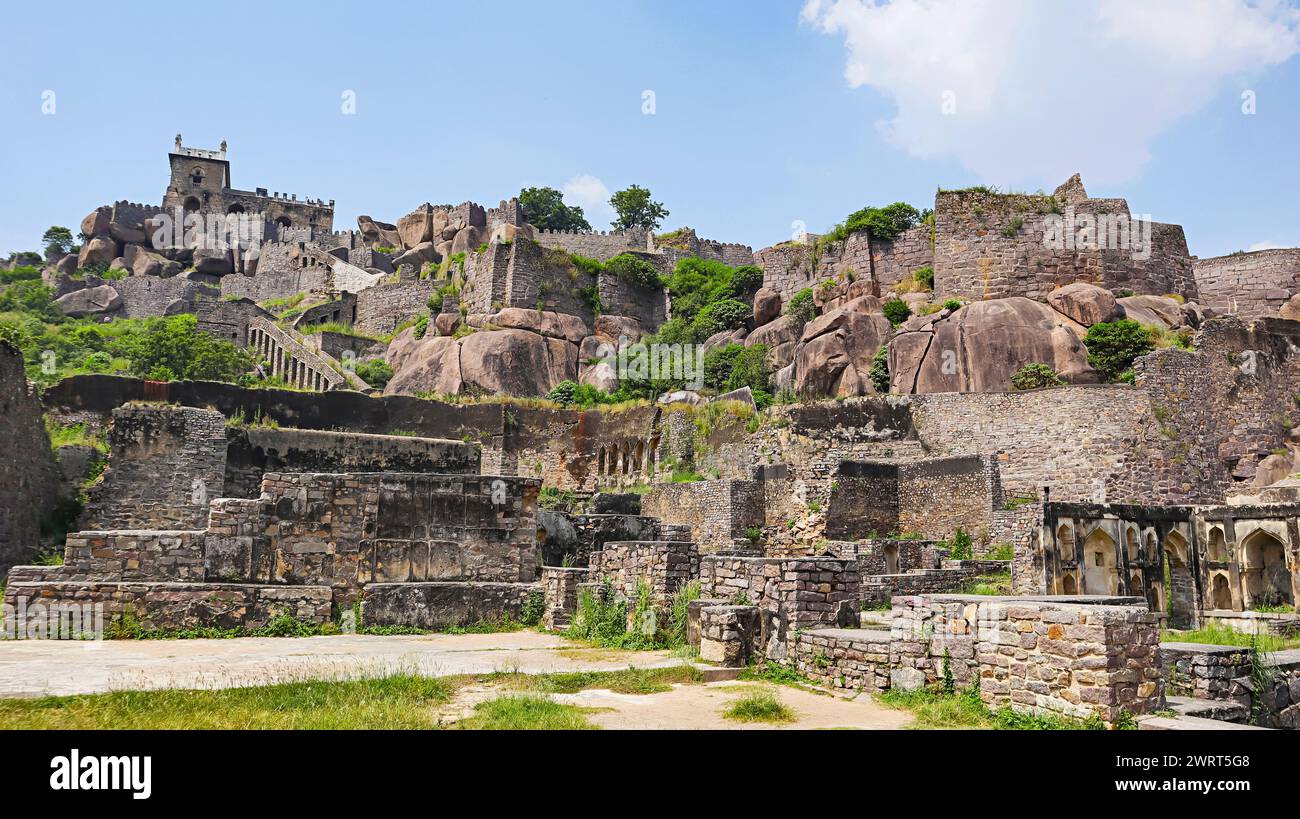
952, 304
746, 280
801, 307
897, 311
962, 548
1035, 376
925, 276
562, 393
20, 273
880, 369
634, 270
421, 327
734, 366
1112, 347
375, 372
882, 223
727, 314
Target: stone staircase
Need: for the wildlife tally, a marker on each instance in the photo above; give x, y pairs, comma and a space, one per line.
294, 361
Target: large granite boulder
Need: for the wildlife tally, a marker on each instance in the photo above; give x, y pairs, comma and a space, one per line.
100, 250
1084, 302
979, 347
417, 256
486, 362
543, 322
467, 239
92, 301
767, 306
1156, 311
96, 222
214, 262
416, 227
835, 352
378, 234
1291, 310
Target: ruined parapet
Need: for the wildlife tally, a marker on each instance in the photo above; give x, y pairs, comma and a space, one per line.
596, 244
720, 513
165, 463
1249, 285
29, 479
560, 584
663, 566
1075, 657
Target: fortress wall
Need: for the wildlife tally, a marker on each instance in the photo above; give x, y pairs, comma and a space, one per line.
596, 245
29, 481
993, 246
1250, 285
382, 307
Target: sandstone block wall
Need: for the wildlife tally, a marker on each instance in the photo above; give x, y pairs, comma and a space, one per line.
665, 567
933, 498
718, 512
165, 464
437, 606
1249, 285
844, 658
1058, 656
29, 479
134, 555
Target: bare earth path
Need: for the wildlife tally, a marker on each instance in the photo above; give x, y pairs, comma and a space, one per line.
39, 667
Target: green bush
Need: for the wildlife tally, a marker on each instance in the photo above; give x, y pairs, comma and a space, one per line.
1112, 347
897, 311
925, 275
20, 273
1035, 376
634, 270
882, 223
801, 307
880, 369
746, 280
734, 366
544, 209
562, 393
720, 316
952, 304
30, 297
375, 372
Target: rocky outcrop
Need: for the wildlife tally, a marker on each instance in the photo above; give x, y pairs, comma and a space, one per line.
485, 362
92, 301
980, 346
378, 234
835, 350
1084, 303
1156, 311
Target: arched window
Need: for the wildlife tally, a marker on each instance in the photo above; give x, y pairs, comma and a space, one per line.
192, 204
1065, 542
235, 208
197, 175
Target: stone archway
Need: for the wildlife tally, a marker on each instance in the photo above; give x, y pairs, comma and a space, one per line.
1179, 594
891, 558
1221, 593
192, 204
1216, 551
1100, 572
1065, 543
1265, 577
1067, 585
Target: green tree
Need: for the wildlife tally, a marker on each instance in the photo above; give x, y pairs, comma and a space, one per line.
58, 241
173, 347
1035, 376
544, 209
636, 209
1113, 345
897, 311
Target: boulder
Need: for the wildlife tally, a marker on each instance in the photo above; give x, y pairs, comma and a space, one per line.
835, 353
506, 232
723, 338
1291, 310
417, 256
767, 306
602, 375
96, 223
214, 262
100, 250
92, 301
682, 397
1274, 468
614, 328
444, 324
515, 362
429, 364
378, 234
774, 333
544, 322
67, 265
979, 347
744, 395
467, 239
1157, 311
126, 233
1084, 302
118, 264
416, 227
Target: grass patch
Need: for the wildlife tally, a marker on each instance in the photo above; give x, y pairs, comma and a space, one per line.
526, 712
394, 701
1216, 634
628, 681
965, 710
763, 706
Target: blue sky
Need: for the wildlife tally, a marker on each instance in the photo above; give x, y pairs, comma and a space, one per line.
762, 117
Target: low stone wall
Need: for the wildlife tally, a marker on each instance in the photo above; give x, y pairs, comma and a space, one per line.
560, 585
1206, 672
881, 588
665, 566
1070, 656
444, 605
159, 605
134, 555
577, 537
846, 658
718, 512
728, 634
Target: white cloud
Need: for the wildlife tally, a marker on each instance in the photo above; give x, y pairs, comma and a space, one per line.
1044, 89
1265, 245
591, 194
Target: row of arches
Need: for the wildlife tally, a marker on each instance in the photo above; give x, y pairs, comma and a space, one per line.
1263, 575
628, 458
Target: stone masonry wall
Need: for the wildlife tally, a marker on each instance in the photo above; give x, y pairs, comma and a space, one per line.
29, 477
165, 463
1248, 285
718, 512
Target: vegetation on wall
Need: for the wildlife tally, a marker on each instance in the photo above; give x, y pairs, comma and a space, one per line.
636, 209
1112, 347
1035, 376
883, 223
544, 209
